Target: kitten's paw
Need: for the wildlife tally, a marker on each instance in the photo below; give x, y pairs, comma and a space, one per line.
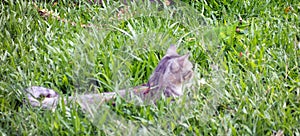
35, 93
38, 91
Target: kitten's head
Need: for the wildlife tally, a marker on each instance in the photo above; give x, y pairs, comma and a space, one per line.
172, 71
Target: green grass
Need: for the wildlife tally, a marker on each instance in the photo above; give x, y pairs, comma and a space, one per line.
252, 76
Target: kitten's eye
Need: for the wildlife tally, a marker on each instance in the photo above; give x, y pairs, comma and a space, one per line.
187, 75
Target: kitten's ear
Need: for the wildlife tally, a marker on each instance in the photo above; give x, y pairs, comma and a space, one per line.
172, 50
182, 59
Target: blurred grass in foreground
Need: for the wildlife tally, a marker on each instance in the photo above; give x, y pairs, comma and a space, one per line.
251, 68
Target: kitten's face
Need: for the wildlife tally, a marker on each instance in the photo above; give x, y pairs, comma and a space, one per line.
179, 70
172, 71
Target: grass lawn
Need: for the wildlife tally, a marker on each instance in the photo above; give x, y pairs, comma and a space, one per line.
245, 53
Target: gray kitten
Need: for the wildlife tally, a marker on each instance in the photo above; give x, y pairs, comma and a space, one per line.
167, 79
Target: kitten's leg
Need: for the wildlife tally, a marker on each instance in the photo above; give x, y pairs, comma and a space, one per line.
87, 101
51, 98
